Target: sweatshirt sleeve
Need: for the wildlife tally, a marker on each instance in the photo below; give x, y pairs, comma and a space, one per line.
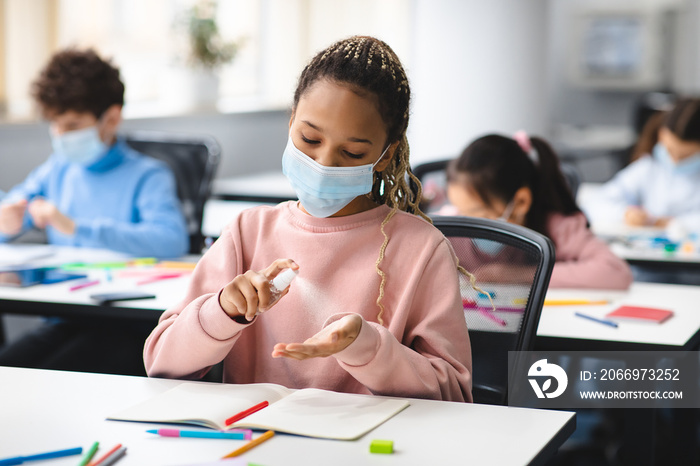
160, 230
433, 358
584, 261
33, 185
197, 334
609, 204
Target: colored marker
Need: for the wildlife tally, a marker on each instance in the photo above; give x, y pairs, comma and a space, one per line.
251, 444
114, 457
574, 302
104, 457
490, 315
157, 278
469, 305
41, 456
90, 453
80, 286
177, 265
595, 319
247, 412
234, 434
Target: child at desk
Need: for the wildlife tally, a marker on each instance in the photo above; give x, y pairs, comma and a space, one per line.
93, 190
519, 180
661, 186
377, 288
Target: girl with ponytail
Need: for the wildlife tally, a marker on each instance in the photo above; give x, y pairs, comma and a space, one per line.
377, 287
519, 180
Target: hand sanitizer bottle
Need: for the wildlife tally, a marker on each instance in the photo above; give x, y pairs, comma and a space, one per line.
279, 284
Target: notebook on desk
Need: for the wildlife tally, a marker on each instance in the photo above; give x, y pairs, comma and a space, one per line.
13, 255
640, 314
308, 412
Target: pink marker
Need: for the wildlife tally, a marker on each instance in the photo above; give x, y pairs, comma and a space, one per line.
164, 276
80, 286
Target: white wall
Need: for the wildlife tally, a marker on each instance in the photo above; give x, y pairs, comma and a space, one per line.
478, 66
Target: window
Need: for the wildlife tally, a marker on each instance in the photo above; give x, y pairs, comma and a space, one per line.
148, 42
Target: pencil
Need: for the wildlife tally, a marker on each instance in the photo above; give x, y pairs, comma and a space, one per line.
574, 302
251, 444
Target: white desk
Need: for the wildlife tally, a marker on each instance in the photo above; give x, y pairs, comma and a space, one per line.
57, 300
230, 196
260, 186
560, 329
51, 410
621, 238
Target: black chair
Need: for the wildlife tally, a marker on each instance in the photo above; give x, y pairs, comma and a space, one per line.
512, 265
193, 160
433, 179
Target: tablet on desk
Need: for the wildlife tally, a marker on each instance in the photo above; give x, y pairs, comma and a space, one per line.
108, 298
36, 276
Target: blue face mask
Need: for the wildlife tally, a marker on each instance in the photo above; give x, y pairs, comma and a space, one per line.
687, 166
488, 246
83, 146
322, 190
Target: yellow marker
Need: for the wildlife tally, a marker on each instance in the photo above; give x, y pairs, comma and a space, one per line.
573, 302
177, 265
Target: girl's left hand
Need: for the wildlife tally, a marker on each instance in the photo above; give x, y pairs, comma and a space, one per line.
332, 339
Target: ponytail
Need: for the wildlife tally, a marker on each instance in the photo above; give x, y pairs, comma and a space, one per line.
550, 190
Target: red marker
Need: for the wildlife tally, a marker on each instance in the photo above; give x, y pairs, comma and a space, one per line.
245, 413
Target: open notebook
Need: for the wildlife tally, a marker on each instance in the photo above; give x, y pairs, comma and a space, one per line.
309, 412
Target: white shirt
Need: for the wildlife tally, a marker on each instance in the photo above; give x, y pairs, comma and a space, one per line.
654, 186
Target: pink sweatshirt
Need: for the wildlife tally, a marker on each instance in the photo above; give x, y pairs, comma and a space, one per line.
422, 351
583, 261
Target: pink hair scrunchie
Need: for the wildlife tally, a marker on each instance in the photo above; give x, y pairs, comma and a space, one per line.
523, 141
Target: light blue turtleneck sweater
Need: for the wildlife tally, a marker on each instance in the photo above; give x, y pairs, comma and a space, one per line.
125, 201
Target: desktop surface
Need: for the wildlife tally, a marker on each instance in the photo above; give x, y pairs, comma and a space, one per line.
52, 410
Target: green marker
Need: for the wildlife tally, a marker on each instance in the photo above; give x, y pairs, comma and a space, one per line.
90, 453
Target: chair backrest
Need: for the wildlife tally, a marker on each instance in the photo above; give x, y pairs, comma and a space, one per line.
193, 160
433, 178
512, 265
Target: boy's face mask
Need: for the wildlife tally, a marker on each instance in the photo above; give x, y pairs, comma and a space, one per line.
322, 190
82, 146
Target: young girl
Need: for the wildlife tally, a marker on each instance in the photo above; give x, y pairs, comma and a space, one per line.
377, 288
662, 184
519, 181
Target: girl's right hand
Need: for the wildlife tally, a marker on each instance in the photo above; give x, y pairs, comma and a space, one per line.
249, 293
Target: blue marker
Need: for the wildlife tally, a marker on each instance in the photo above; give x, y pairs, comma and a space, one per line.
595, 319
41, 456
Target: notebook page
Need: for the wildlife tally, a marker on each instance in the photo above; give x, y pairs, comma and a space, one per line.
207, 405
325, 414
